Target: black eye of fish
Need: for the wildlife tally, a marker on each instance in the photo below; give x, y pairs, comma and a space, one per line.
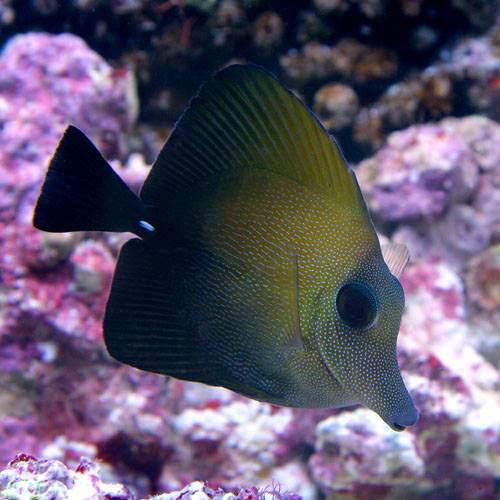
356, 305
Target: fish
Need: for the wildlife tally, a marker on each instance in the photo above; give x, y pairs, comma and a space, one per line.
256, 265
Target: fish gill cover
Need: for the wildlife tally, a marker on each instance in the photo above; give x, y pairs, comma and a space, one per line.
433, 186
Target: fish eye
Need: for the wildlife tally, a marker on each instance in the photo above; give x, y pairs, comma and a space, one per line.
356, 305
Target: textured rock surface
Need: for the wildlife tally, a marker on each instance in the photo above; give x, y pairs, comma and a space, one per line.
237, 442
28, 477
336, 105
355, 451
348, 58
447, 173
435, 187
408, 60
54, 287
465, 79
434, 167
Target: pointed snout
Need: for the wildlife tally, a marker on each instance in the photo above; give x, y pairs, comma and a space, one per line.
404, 418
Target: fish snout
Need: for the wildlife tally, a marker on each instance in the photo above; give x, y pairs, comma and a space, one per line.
404, 419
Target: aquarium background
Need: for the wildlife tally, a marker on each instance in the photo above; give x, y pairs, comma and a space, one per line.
411, 90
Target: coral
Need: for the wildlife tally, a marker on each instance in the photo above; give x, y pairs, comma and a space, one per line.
348, 58
26, 477
77, 81
268, 31
402, 103
355, 451
434, 187
464, 80
444, 172
201, 491
452, 384
435, 321
483, 279
336, 105
239, 443
428, 166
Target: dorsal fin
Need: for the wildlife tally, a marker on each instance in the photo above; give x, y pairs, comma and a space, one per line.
243, 118
396, 256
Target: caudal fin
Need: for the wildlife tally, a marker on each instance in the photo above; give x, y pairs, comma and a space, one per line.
81, 192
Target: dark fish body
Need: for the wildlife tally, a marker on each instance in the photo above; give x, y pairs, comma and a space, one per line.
258, 269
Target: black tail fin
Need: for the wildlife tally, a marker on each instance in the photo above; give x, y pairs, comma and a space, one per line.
81, 192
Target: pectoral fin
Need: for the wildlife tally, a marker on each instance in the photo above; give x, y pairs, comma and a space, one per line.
396, 256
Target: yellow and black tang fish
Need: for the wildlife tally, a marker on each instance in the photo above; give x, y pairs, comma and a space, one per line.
257, 268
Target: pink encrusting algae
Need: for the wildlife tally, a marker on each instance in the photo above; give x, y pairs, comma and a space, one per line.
431, 186
27, 476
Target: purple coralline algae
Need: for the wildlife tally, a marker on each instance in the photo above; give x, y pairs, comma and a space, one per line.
77, 85
434, 187
448, 174
466, 78
431, 167
356, 452
54, 287
28, 477
47, 82
237, 442
199, 490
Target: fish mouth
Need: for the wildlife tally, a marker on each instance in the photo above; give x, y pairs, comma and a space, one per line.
405, 419
398, 427
397, 420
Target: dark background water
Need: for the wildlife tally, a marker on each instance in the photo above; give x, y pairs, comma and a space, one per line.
175, 45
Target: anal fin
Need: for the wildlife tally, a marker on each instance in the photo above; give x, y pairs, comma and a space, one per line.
144, 325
